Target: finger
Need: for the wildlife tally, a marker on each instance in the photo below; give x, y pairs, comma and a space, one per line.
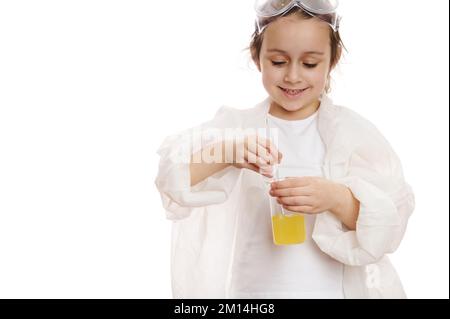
273, 151
300, 209
251, 161
295, 201
245, 156
253, 153
264, 154
254, 159
251, 143
250, 167
266, 171
288, 192
291, 182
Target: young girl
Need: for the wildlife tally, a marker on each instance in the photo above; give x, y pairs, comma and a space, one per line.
355, 198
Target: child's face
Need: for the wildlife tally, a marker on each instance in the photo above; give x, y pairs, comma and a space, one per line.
295, 56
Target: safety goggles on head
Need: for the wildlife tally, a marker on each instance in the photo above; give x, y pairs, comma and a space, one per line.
322, 9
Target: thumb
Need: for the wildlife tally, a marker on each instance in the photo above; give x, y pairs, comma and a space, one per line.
249, 166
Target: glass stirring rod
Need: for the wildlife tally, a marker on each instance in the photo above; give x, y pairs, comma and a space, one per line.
277, 178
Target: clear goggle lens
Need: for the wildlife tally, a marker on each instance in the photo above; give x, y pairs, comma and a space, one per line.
270, 8
323, 9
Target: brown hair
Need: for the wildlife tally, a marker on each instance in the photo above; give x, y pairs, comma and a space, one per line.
335, 39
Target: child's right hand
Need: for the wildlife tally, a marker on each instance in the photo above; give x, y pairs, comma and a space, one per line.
256, 153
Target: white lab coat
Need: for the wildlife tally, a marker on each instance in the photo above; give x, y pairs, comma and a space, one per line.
211, 218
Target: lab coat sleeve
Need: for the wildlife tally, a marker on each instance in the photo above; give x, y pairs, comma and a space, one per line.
173, 179
375, 177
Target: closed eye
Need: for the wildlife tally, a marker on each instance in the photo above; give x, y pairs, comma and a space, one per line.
310, 66
307, 65
278, 63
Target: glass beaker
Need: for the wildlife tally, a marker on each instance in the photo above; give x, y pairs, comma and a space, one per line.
289, 228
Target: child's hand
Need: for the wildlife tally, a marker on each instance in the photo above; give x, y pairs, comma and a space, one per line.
256, 153
309, 195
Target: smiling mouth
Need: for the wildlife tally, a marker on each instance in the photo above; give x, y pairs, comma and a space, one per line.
292, 92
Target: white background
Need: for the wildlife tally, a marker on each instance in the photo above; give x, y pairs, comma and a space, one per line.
89, 89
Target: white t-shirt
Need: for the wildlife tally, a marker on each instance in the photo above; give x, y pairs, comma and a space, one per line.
294, 271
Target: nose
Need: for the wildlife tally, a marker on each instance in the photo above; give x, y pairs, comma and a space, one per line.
293, 74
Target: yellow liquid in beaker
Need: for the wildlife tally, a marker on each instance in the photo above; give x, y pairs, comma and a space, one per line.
288, 229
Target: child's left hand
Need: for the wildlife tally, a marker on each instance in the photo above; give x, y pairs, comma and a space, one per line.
309, 195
